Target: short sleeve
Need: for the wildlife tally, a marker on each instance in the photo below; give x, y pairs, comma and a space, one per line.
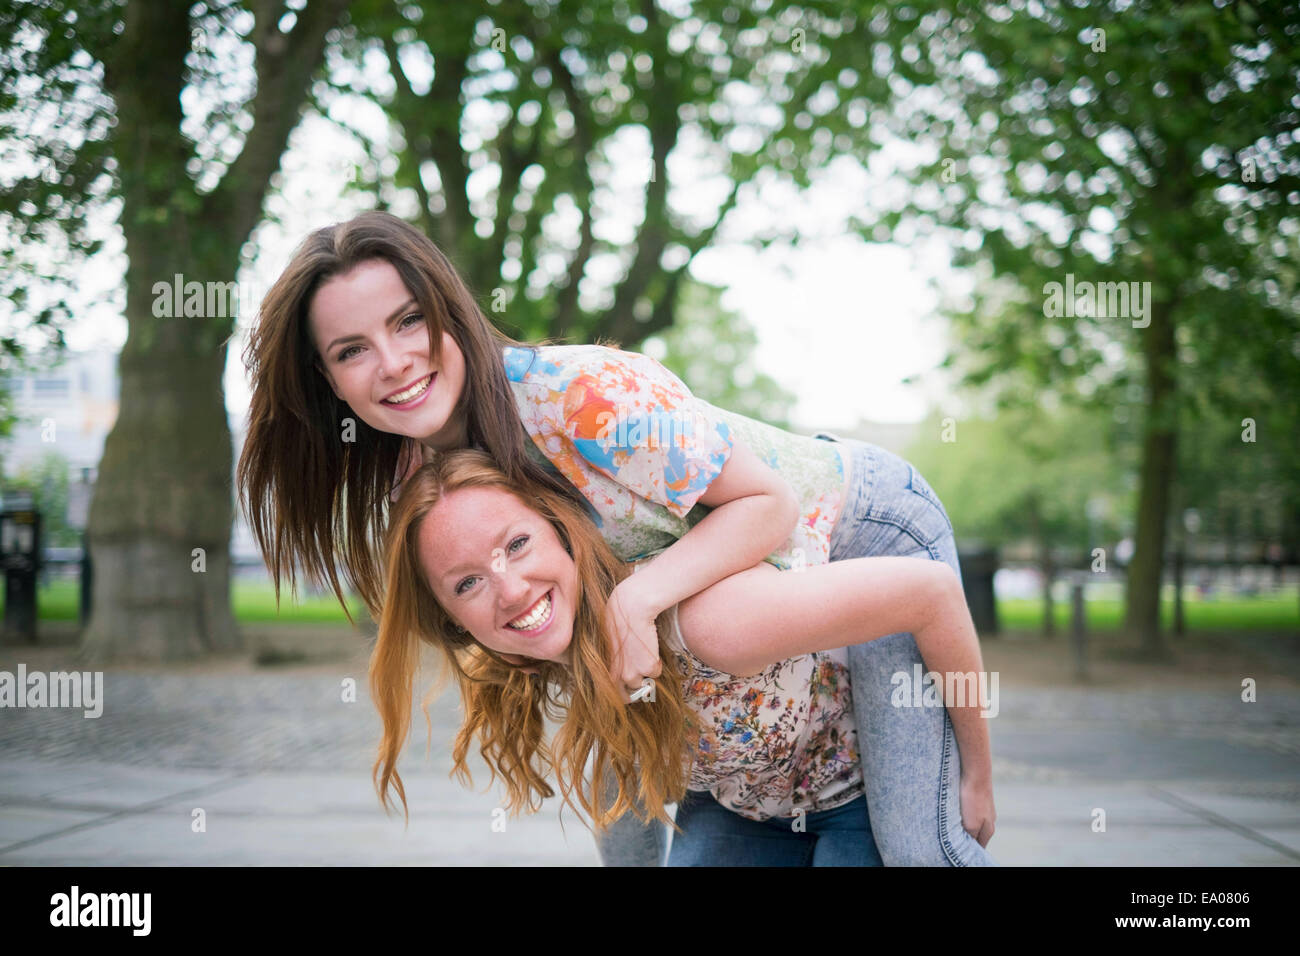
638, 424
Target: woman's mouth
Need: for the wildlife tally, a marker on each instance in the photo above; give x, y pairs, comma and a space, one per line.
413, 396
537, 617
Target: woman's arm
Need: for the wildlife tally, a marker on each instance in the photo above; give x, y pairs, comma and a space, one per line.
615, 409
754, 511
762, 615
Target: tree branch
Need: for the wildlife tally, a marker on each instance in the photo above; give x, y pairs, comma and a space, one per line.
566, 304
417, 144
284, 66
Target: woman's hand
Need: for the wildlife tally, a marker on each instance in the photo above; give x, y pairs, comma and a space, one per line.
977, 813
630, 622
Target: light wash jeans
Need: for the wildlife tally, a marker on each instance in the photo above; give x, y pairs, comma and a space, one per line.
910, 762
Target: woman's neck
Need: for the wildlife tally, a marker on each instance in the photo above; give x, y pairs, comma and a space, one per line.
451, 436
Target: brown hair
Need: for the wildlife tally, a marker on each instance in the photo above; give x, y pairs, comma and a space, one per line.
648, 746
312, 498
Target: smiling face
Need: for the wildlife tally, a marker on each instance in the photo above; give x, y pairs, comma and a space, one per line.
493, 562
373, 347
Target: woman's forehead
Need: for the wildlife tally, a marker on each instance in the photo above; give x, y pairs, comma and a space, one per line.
467, 517
365, 294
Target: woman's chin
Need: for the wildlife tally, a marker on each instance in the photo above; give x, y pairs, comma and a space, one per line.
555, 647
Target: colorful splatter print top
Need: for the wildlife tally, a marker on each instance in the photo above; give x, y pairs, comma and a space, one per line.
630, 436
779, 741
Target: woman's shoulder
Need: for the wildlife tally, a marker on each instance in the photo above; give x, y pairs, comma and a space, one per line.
558, 365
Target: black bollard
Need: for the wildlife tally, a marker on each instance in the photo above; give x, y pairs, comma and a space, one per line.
87, 580
20, 542
1078, 631
977, 569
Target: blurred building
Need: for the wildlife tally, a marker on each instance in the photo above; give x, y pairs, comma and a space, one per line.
68, 408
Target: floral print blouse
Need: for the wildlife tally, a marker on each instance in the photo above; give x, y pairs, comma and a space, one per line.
779, 741
629, 435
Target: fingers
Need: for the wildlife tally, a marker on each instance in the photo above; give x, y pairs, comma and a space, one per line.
633, 671
644, 691
980, 829
633, 674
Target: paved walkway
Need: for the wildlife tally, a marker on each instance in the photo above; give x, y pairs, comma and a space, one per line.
277, 766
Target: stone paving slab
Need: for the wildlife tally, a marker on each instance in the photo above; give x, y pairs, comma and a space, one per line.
280, 765
314, 819
106, 786
105, 814
1047, 845
1052, 824
163, 838
23, 823
1251, 812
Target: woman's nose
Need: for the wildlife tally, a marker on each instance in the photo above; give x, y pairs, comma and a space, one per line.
393, 359
512, 588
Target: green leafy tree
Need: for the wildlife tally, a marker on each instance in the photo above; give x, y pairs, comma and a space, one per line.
46, 480
1136, 143
148, 104
1057, 480
507, 125
557, 150
1239, 477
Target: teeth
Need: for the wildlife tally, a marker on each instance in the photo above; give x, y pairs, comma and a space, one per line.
540, 613
410, 393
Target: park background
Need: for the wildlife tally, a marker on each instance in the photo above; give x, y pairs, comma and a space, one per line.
828, 216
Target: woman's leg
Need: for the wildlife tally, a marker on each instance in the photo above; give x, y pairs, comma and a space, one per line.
629, 842
844, 836
712, 835
910, 761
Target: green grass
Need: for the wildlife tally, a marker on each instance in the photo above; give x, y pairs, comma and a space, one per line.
1265, 613
254, 603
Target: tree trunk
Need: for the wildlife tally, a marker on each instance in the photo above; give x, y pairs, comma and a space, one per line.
164, 491
1180, 560
1177, 509
160, 519
1142, 604
1045, 566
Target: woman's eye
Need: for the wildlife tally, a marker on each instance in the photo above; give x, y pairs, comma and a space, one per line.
521, 541
463, 586
419, 319
347, 352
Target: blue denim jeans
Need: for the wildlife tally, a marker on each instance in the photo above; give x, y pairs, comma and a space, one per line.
712, 835
910, 762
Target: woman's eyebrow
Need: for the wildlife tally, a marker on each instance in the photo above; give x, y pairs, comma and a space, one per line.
344, 339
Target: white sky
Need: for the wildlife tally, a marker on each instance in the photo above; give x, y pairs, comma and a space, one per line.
840, 322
